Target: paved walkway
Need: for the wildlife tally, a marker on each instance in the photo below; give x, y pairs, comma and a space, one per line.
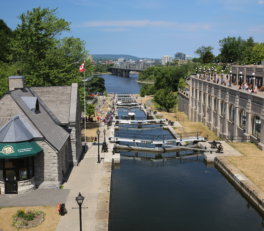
93, 181
39, 197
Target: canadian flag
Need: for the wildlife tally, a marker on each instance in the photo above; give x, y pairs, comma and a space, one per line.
81, 68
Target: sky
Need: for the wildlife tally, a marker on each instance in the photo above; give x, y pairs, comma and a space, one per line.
149, 28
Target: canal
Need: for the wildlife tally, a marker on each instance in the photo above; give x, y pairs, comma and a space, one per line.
173, 194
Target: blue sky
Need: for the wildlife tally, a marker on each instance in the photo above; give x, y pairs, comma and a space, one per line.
150, 28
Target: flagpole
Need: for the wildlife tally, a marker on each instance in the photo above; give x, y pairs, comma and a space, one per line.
84, 107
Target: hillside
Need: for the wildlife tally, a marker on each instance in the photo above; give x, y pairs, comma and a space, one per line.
113, 57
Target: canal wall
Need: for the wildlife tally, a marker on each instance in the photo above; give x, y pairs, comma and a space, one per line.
183, 101
248, 189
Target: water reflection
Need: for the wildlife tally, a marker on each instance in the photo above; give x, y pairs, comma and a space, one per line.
179, 194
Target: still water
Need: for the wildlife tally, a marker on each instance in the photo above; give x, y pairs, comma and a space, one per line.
175, 194
121, 85
183, 195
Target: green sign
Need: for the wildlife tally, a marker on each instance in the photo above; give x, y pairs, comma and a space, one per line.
19, 150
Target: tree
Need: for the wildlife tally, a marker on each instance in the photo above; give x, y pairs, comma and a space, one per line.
90, 110
96, 84
257, 53
206, 55
247, 51
6, 36
147, 89
44, 58
231, 49
166, 99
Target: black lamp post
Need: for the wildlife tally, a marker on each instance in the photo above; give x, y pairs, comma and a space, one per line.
253, 81
98, 156
240, 77
230, 78
79, 199
104, 134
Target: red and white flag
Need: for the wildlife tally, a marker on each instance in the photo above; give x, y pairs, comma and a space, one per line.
81, 68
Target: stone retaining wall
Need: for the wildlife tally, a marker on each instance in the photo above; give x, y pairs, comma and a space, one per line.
239, 180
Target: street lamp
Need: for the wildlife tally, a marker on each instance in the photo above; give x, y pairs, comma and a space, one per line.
79, 199
253, 80
98, 156
240, 77
222, 76
104, 146
230, 78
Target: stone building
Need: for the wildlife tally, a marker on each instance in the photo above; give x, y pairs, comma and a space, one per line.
232, 113
253, 74
39, 135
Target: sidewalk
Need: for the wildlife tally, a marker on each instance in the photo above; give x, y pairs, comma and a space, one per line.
38, 197
93, 181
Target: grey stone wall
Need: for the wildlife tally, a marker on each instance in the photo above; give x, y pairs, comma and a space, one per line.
221, 107
183, 102
74, 125
47, 167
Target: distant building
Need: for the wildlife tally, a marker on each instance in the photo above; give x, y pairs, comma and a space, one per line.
180, 56
166, 59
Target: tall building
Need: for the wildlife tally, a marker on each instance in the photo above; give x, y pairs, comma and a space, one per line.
166, 59
180, 56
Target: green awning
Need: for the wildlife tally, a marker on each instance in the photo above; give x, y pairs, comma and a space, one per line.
19, 150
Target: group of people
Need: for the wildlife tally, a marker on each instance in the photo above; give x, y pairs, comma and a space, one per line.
248, 88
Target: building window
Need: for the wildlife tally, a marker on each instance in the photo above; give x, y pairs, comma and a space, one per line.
222, 108
231, 113
243, 119
23, 167
209, 101
256, 129
215, 104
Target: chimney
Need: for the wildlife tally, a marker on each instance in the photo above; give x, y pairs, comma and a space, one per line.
16, 82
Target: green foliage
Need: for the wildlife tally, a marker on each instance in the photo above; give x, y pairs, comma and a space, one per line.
257, 53
90, 110
147, 89
27, 219
182, 83
231, 49
148, 74
166, 99
165, 77
6, 70
45, 59
96, 84
206, 55
28, 216
238, 50
6, 35
102, 68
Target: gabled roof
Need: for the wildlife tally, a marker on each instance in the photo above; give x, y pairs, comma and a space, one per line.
16, 130
42, 120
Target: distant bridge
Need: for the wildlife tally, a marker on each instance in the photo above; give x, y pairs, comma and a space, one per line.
123, 69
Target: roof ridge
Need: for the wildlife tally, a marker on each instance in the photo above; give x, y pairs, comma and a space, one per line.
51, 131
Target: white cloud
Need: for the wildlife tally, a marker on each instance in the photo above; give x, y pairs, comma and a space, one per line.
261, 2
148, 23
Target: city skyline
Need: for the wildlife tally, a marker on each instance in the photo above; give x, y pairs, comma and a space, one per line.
150, 29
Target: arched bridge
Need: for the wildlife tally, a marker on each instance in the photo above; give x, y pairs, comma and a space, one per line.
123, 69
